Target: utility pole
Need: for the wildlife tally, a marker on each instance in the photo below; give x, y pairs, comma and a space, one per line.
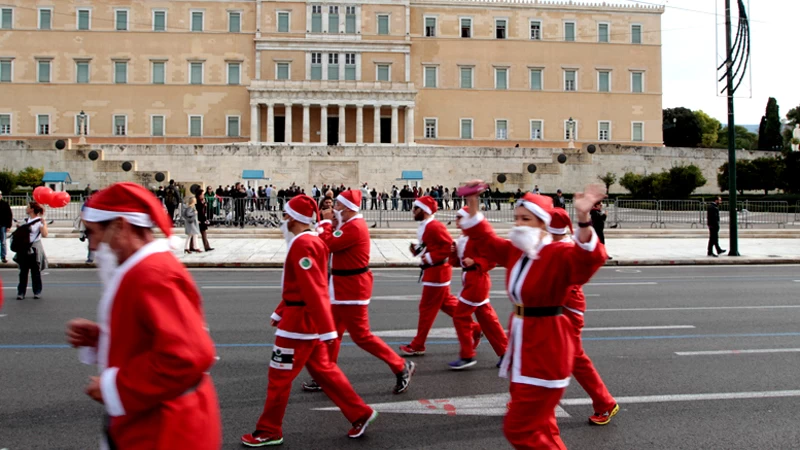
732, 202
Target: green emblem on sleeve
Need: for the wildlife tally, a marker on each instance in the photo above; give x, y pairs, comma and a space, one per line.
306, 263
337, 233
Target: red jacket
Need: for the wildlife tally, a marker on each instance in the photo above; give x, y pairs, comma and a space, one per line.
541, 348
349, 246
475, 280
305, 310
437, 247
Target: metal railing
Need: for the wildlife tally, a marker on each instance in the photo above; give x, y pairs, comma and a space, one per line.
660, 213
70, 212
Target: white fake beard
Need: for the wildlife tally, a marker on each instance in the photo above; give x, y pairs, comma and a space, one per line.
461, 245
287, 235
526, 239
339, 220
107, 263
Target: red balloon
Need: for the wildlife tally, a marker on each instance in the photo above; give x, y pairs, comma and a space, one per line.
59, 200
43, 195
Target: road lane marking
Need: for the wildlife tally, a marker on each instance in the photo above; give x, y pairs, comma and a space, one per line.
693, 308
633, 283
239, 287
687, 397
655, 327
450, 332
738, 352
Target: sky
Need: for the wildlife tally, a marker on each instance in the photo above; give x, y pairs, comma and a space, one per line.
689, 57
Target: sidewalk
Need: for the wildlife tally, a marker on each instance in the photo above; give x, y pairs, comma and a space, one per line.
394, 252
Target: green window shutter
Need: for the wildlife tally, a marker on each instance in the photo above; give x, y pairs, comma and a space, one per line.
569, 31
637, 82
83, 20
536, 130
333, 23
430, 77
430, 24
350, 72
536, 80
197, 73
316, 71
158, 73
196, 126
383, 24
604, 85
316, 23
122, 20
636, 34
5, 124
466, 78
283, 22
333, 71
234, 74
637, 132
83, 72
383, 73
119, 126
159, 21
350, 24
197, 21
158, 126
5, 71
466, 129
233, 127
602, 33
44, 71
7, 21
235, 22
502, 78
45, 17
283, 71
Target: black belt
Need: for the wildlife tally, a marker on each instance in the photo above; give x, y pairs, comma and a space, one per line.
349, 272
470, 268
291, 303
424, 267
540, 311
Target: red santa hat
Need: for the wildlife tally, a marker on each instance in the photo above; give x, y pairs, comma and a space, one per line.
463, 212
540, 205
350, 199
427, 204
302, 208
130, 201
560, 222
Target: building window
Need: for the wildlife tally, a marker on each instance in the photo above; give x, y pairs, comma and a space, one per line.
602, 32
569, 31
283, 22
157, 126
333, 19
196, 73
500, 26
42, 124
159, 72
604, 131
350, 20
637, 133
430, 27
570, 77
120, 125
466, 77
84, 19
5, 123
536, 79
316, 66
234, 22
45, 18
431, 76
234, 130
316, 18
537, 130
383, 24
466, 27
636, 34
195, 126
501, 129
501, 78
466, 128
198, 20
120, 72
282, 71
350, 66
82, 72
637, 82
384, 71
604, 81
85, 130
43, 67
6, 18
159, 20
570, 132
6, 69
430, 128
234, 73
333, 66
121, 19
536, 30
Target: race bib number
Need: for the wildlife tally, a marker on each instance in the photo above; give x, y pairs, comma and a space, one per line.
282, 358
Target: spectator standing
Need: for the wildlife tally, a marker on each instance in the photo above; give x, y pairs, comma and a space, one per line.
457, 201
270, 191
204, 221
497, 197
6, 217
32, 259
536, 189
281, 198
88, 191
172, 198
385, 199
395, 196
191, 226
713, 228
239, 196
559, 201
374, 202
446, 197
212, 205
365, 194
82, 229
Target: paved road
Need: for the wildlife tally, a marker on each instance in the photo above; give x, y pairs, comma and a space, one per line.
729, 310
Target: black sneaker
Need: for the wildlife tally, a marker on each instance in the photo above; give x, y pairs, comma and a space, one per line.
712, 255
37, 296
19, 297
721, 251
404, 378
312, 386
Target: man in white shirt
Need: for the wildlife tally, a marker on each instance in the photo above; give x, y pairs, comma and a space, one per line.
269, 198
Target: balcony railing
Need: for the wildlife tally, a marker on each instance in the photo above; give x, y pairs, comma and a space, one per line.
328, 85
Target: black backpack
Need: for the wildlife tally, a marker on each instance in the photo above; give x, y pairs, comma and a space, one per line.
21, 238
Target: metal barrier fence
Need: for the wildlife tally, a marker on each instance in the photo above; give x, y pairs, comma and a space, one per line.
757, 213
660, 213
71, 212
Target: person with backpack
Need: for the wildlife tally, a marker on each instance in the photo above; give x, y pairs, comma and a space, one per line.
27, 244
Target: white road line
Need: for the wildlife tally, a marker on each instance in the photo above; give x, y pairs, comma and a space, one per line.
637, 283
240, 287
450, 332
657, 327
687, 397
693, 308
737, 352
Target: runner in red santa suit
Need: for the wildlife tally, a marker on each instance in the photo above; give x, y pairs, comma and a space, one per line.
305, 331
605, 406
474, 298
350, 286
150, 342
434, 249
540, 353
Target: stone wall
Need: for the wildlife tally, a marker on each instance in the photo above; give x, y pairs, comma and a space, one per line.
380, 166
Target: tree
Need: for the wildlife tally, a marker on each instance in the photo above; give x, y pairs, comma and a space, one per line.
744, 139
681, 128
608, 179
677, 183
792, 119
8, 181
789, 181
30, 176
767, 173
709, 128
771, 138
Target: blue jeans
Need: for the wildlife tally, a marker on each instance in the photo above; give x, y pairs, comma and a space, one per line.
3, 243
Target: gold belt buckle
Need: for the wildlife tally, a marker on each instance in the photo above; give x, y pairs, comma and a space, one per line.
519, 310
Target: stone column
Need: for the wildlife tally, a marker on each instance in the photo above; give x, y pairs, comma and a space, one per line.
271, 123
376, 125
323, 124
359, 124
288, 129
409, 125
342, 126
306, 123
395, 125
254, 136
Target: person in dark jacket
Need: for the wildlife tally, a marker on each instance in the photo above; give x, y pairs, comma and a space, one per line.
560, 202
713, 227
204, 220
598, 221
6, 217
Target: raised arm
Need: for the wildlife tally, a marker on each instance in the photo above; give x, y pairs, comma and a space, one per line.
492, 248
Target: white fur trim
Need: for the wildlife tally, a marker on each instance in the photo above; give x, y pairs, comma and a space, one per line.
323, 222
422, 206
515, 351
470, 222
328, 336
275, 317
350, 302
467, 302
580, 313
108, 388
427, 257
428, 283
299, 336
536, 210
462, 213
139, 219
347, 203
558, 231
296, 215
588, 246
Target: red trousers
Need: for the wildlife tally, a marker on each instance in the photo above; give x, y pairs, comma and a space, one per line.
530, 423
312, 354
488, 321
433, 299
584, 371
355, 319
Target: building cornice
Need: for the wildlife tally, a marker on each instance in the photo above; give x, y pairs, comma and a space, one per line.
568, 5
333, 46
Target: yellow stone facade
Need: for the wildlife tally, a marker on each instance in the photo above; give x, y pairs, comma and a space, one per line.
433, 72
